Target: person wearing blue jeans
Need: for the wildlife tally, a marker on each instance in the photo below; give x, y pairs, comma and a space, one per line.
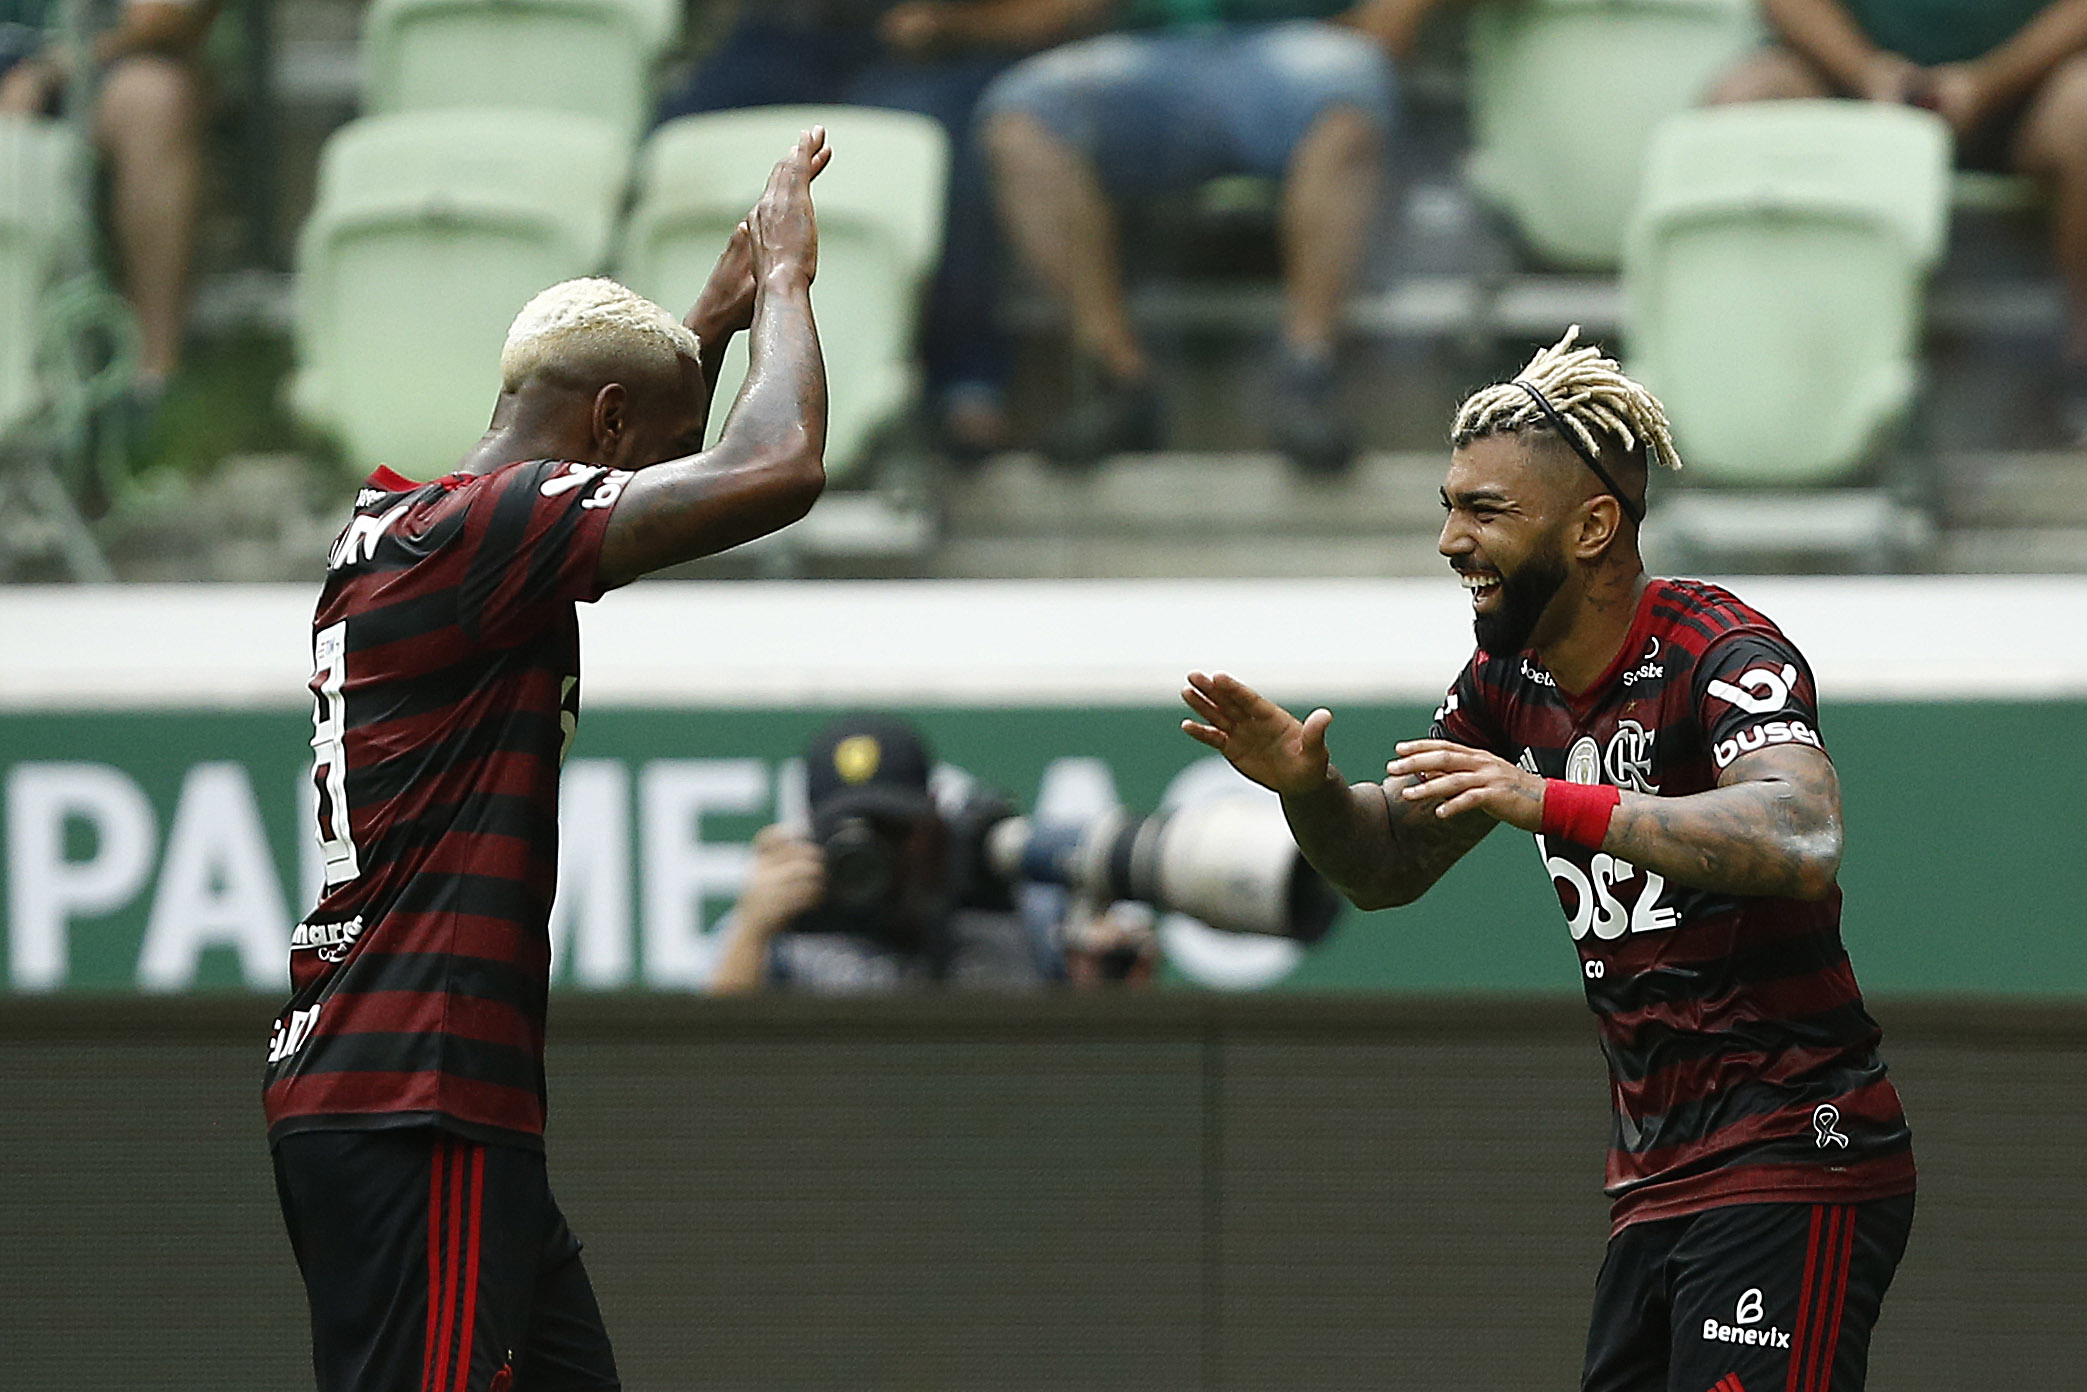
1180, 92
933, 57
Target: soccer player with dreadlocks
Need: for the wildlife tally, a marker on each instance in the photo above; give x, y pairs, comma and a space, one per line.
1660, 740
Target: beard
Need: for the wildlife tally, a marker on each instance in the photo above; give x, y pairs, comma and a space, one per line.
1523, 598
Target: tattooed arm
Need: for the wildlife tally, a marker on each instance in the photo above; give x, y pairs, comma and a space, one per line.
1772, 826
1376, 847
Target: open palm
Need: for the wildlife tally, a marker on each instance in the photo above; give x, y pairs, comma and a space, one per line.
1258, 737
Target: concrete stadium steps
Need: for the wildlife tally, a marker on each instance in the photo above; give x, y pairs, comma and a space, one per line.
2042, 488
1202, 515
1231, 514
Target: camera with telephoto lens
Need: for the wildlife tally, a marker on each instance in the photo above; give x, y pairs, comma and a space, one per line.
896, 865
862, 867
1229, 861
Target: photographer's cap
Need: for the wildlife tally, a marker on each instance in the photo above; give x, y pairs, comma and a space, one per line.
872, 764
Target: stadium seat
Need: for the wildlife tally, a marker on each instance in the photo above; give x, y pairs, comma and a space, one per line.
590, 56
429, 232
1564, 96
40, 219
1774, 282
880, 233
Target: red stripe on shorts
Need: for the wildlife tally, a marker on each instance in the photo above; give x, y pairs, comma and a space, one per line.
1831, 1343
477, 1210
1793, 1382
451, 1246
427, 1350
1824, 1314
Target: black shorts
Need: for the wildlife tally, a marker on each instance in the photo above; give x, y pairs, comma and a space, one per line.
437, 1264
1751, 1298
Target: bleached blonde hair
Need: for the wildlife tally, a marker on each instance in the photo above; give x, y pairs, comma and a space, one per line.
1590, 393
593, 330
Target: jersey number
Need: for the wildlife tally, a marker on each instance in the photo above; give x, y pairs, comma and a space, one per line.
1598, 910
330, 752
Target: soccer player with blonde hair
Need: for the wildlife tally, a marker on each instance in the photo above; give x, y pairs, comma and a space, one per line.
1661, 741
405, 1079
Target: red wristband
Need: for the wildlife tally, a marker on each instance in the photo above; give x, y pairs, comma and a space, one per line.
1579, 812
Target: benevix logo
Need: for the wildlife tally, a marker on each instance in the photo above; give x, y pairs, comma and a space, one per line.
330, 941
1746, 1316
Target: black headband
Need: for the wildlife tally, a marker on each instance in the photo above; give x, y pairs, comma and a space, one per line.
1635, 512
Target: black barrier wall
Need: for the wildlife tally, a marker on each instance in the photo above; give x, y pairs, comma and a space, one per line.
948, 1195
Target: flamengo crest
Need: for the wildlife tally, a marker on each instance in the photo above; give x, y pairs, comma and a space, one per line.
1629, 759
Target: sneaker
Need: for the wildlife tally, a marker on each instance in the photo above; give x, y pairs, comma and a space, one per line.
1110, 417
1304, 421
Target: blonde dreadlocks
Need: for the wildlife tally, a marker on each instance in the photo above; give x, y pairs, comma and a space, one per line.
1578, 390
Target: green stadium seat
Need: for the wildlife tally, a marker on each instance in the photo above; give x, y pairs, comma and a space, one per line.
430, 230
590, 56
1773, 287
40, 220
1564, 96
880, 234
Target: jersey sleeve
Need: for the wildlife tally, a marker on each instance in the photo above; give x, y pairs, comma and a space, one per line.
1464, 718
534, 534
1753, 690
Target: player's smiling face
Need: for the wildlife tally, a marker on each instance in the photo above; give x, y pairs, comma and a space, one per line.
1502, 539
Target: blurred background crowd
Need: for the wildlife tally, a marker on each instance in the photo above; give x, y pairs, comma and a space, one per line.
1112, 287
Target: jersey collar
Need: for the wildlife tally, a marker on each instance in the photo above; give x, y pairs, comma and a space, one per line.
1633, 648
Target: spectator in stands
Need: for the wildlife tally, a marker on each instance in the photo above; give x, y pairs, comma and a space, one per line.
2010, 77
933, 57
1300, 90
148, 122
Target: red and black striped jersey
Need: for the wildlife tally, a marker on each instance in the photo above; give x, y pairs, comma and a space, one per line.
1743, 1064
446, 661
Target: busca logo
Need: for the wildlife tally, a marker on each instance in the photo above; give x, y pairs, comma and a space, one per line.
1758, 690
1761, 736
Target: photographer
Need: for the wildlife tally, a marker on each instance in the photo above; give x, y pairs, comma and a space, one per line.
887, 891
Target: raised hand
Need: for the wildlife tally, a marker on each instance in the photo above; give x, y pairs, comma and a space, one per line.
1258, 737
782, 229
726, 306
